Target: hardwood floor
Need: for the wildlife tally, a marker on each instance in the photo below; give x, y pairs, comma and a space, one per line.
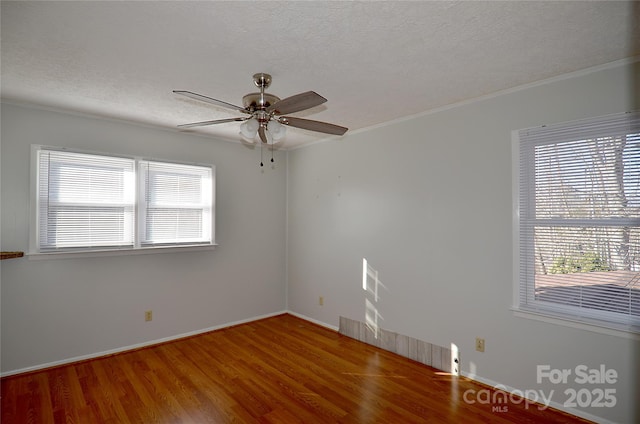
277, 370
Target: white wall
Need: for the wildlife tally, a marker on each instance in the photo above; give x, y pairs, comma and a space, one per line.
54, 310
428, 202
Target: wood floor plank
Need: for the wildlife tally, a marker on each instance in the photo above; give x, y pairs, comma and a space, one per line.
277, 370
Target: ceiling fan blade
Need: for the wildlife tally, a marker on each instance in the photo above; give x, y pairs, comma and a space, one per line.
210, 100
308, 124
263, 135
296, 103
217, 121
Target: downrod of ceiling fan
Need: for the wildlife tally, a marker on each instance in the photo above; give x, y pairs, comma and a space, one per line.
256, 103
261, 100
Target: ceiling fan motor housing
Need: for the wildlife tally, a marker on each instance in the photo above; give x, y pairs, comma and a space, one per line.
257, 101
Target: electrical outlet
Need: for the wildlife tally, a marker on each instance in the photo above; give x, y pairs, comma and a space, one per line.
321, 300
148, 315
479, 344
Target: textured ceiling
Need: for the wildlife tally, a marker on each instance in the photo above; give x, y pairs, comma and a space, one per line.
374, 61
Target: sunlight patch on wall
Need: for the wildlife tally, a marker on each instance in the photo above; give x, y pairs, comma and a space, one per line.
371, 284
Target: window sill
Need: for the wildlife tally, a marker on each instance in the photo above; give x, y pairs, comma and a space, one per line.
120, 252
603, 328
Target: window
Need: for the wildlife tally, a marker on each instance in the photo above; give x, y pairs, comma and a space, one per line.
96, 202
579, 221
177, 203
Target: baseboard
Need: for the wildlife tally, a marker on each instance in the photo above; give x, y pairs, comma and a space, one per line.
315, 321
136, 346
521, 393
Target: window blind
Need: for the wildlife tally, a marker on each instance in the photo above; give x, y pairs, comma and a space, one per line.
89, 202
84, 201
579, 225
177, 203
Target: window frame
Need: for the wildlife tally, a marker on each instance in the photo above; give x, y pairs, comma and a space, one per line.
35, 251
524, 303
143, 205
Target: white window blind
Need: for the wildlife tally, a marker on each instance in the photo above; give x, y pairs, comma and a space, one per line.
85, 200
579, 224
177, 203
91, 202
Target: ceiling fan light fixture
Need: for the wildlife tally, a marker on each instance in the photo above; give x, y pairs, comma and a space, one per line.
249, 129
247, 139
277, 130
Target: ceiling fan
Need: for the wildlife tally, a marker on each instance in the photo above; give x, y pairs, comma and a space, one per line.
264, 113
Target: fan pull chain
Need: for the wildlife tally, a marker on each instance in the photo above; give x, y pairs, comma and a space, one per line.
261, 164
